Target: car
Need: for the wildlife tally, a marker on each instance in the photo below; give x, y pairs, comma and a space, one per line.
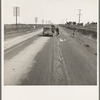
49, 30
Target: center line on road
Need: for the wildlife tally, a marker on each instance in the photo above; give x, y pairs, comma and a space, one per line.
64, 64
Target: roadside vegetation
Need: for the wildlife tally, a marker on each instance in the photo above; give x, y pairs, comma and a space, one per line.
89, 29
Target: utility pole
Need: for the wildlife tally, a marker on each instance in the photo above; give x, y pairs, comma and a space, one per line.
16, 14
36, 20
66, 20
42, 21
79, 15
16, 18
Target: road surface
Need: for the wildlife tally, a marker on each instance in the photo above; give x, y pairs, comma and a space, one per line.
34, 59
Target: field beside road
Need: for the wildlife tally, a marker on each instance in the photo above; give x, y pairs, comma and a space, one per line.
10, 31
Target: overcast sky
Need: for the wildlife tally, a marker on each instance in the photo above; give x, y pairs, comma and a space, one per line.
57, 11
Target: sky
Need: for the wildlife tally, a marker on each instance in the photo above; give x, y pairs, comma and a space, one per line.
58, 11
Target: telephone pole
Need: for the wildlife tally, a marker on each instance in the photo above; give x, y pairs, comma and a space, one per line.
42, 21
36, 20
16, 18
79, 15
16, 13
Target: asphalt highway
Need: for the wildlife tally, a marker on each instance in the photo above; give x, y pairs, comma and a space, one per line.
34, 59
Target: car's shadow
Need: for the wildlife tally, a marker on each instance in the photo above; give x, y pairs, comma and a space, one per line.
42, 35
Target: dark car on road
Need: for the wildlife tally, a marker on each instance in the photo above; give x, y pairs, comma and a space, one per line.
49, 30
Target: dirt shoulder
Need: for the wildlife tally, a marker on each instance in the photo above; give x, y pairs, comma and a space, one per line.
86, 40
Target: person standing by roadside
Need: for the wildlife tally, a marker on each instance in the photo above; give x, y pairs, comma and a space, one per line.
57, 30
74, 32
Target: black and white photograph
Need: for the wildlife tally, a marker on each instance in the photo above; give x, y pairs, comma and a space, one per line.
50, 42
50, 49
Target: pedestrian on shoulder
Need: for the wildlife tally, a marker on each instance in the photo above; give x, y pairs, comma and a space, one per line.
73, 32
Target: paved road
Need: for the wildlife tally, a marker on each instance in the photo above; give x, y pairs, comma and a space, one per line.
34, 59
